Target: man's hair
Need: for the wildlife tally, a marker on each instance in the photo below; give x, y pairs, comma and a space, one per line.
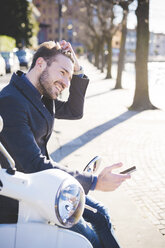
48, 51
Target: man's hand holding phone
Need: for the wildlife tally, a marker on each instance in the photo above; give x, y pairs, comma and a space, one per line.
109, 181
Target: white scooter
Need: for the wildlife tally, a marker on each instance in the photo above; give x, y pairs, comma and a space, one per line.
46, 209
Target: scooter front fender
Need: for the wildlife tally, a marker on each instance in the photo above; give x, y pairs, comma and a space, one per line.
38, 235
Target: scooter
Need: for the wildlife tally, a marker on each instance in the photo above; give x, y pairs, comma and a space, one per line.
46, 209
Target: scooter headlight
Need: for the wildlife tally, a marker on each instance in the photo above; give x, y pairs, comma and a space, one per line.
69, 203
1, 123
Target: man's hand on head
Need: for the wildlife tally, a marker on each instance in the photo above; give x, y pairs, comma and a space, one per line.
67, 46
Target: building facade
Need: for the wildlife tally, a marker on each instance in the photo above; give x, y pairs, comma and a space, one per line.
55, 21
156, 46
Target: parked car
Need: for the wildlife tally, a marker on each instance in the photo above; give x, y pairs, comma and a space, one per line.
25, 57
12, 62
2, 66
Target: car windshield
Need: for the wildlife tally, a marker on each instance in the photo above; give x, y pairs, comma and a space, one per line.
6, 55
21, 52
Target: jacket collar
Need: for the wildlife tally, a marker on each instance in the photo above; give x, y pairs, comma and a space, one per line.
35, 99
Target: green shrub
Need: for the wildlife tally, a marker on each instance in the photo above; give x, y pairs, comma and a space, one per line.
79, 50
7, 43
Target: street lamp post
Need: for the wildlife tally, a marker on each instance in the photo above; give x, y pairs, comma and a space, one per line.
59, 20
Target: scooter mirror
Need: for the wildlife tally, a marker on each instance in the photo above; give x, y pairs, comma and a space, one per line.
93, 165
1, 123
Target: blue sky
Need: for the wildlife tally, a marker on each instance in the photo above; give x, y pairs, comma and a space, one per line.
156, 16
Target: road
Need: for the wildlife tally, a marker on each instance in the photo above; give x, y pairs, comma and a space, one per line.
4, 80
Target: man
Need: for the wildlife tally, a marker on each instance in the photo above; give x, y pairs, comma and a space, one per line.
28, 106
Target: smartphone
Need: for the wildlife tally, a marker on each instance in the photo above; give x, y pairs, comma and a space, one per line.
129, 170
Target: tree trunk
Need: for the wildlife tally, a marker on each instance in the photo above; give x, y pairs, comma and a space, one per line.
109, 58
141, 99
96, 54
122, 50
102, 56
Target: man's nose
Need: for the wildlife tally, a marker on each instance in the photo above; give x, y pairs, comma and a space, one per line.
66, 83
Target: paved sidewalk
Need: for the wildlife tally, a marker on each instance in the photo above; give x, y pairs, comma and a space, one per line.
109, 130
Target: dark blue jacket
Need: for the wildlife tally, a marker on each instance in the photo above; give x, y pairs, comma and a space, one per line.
28, 123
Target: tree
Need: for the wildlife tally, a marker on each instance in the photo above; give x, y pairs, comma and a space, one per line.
141, 98
89, 33
16, 22
124, 4
97, 20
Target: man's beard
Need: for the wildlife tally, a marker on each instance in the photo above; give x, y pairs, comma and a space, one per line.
44, 85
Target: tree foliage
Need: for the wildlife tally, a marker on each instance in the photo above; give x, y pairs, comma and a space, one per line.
15, 21
96, 21
7, 43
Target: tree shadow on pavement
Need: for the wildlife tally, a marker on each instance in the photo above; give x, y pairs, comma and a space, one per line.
98, 94
88, 136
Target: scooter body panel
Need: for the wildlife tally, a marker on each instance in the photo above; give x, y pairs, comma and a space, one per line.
8, 235
38, 235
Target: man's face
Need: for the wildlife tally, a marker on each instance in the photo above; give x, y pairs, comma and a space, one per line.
56, 77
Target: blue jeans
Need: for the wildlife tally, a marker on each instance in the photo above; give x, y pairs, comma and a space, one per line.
83, 228
101, 234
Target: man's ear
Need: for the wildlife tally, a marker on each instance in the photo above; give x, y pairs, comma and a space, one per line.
41, 64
